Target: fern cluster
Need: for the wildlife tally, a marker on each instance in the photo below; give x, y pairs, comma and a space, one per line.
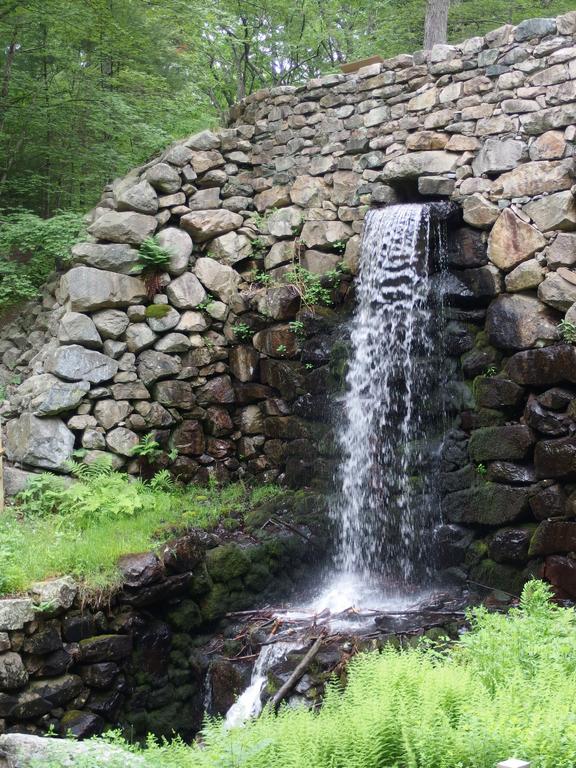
507, 688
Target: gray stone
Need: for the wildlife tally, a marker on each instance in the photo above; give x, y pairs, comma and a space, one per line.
111, 323
165, 323
435, 185
122, 441
112, 258
525, 276
203, 141
172, 343
218, 278
280, 253
206, 160
479, 212
512, 241
192, 322
74, 363
177, 394
139, 336
127, 227
534, 28
15, 612
286, 222
553, 212
557, 292
45, 443
76, 328
281, 303
562, 251
140, 198
153, 366
178, 155
16, 480
535, 178
205, 225
61, 397
320, 234
230, 248
179, 244
88, 289
13, 673
26, 751
518, 321
164, 178
110, 413
205, 199
416, 164
58, 594
185, 292
497, 155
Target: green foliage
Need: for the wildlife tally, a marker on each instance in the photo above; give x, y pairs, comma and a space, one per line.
83, 528
505, 689
281, 348
490, 371
148, 447
157, 311
264, 278
242, 331
311, 286
567, 330
152, 257
30, 249
297, 328
481, 469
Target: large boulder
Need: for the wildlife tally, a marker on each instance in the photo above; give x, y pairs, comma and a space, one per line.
112, 257
507, 442
153, 366
553, 537
543, 367
87, 289
76, 328
553, 212
486, 504
126, 227
230, 248
498, 155
322, 234
556, 458
557, 292
205, 225
164, 178
74, 363
179, 245
414, 164
185, 292
534, 179
111, 323
140, 197
512, 241
219, 279
518, 321
45, 443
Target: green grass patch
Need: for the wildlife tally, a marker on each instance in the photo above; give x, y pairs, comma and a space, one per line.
82, 529
508, 688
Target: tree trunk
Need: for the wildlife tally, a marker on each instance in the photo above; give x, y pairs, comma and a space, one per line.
436, 23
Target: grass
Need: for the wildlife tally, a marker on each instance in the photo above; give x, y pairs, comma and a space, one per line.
84, 529
507, 688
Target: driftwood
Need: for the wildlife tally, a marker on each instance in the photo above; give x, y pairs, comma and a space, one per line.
281, 694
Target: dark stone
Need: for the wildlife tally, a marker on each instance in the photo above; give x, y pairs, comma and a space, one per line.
284, 375
557, 398
459, 479
188, 438
105, 648
105, 703
467, 248
7, 703
29, 705
561, 573
495, 392
13, 673
477, 361
510, 545
458, 339
157, 593
517, 321
99, 675
312, 407
184, 554
217, 422
45, 640
49, 665
487, 504
251, 392
544, 367
499, 576
216, 390
185, 469
219, 448
177, 394
186, 617
226, 683
57, 690
299, 472
81, 725
556, 458
451, 542
508, 442
140, 569
481, 285
78, 627
548, 502
152, 645
227, 562
483, 417
545, 421
286, 427
512, 474
554, 537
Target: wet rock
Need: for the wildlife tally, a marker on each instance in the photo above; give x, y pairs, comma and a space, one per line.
543, 367
557, 398
487, 504
510, 545
451, 542
512, 241
176, 394
141, 569
511, 474
553, 537
519, 321
81, 725
217, 390
244, 363
545, 421
99, 675
188, 438
184, 553
132, 228
561, 573
105, 648
467, 249
496, 392
550, 501
45, 443
277, 341
88, 289
493, 443
556, 458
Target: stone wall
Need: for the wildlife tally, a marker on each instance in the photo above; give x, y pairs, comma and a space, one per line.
148, 656
237, 374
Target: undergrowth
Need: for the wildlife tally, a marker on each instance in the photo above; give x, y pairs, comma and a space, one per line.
507, 688
83, 528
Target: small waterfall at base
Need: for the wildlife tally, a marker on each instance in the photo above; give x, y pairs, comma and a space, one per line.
388, 502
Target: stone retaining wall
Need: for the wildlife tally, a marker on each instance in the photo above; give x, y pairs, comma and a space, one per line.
235, 377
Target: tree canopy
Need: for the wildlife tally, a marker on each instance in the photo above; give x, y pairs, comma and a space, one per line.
89, 88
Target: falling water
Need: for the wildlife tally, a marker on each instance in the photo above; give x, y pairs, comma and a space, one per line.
388, 505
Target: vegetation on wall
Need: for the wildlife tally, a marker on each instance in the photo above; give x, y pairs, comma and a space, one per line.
505, 689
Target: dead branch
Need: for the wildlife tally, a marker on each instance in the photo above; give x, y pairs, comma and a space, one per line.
281, 694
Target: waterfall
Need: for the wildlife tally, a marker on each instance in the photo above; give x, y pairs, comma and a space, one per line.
388, 504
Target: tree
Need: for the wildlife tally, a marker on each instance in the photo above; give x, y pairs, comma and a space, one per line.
436, 22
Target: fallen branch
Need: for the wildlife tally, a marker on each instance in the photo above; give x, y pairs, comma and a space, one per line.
281, 694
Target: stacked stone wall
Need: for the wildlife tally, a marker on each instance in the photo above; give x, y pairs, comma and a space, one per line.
236, 376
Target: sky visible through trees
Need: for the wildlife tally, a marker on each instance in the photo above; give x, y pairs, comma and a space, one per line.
90, 88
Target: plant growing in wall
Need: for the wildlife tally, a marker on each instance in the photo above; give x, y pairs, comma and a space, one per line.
152, 261
567, 331
148, 452
242, 331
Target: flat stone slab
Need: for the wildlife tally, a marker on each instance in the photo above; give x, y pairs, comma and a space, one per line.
25, 751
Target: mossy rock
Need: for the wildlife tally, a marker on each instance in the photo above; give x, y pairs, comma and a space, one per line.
157, 311
476, 552
227, 562
499, 576
259, 578
186, 616
200, 583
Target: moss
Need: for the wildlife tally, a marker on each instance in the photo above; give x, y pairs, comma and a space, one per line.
186, 617
475, 552
339, 363
499, 576
157, 311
